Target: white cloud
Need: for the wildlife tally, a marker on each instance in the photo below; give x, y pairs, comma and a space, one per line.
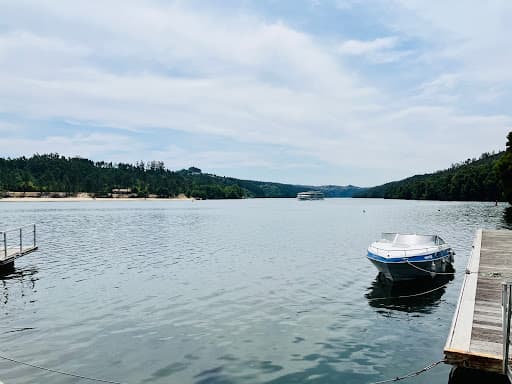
473, 34
263, 83
440, 90
6, 127
178, 157
97, 146
361, 47
345, 5
380, 50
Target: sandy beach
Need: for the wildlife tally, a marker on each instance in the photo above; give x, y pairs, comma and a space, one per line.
89, 198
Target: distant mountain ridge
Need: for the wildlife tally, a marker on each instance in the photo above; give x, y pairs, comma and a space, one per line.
472, 180
339, 191
52, 173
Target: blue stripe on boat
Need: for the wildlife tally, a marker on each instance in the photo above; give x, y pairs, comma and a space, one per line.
427, 257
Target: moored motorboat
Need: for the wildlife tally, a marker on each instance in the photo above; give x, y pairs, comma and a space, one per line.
410, 256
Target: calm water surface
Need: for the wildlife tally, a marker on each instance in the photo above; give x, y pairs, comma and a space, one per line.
248, 291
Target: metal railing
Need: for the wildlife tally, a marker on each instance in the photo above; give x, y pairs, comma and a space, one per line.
9, 243
394, 236
412, 251
506, 302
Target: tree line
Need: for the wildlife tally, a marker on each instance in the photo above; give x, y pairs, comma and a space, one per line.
482, 179
55, 173
504, 167
488, 178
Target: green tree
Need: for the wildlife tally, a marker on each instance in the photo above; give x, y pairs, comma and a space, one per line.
473, 179
504, 167
55, 173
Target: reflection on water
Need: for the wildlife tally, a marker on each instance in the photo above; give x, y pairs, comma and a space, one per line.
407, 296
20, 274
6, 270
472, 376
17, 279
507, 218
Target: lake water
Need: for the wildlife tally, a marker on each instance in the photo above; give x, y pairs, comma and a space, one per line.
244, 291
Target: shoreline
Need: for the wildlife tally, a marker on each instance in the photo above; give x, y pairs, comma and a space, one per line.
81, 198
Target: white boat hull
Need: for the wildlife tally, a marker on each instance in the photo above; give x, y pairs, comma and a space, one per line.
403, 271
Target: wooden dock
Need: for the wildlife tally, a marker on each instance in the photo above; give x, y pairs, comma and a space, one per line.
476, 336
8, 257
15, 243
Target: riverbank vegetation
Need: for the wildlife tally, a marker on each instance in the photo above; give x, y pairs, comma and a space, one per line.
488, 178
472, 180
71, 175
504, 167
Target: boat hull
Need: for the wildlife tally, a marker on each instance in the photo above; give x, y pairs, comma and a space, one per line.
402, 271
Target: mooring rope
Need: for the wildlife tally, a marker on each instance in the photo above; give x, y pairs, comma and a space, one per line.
426, 270
466, 272
412, 374
11, 330
60, 372
398, 378
411, 295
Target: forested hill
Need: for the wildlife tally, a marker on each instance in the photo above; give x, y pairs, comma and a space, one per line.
472, 180
55, 173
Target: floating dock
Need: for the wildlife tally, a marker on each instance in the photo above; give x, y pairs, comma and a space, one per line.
15, 243
476, 336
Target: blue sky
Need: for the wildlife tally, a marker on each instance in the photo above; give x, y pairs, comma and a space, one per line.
304, 91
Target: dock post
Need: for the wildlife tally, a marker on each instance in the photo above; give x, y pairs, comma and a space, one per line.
34, 235
5, 245
21, 243
506, 294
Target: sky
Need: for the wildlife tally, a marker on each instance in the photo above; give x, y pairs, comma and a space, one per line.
300, 91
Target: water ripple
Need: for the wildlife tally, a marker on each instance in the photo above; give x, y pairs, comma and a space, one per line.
250, 291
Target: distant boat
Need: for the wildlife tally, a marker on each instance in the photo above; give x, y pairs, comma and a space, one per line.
409, 256
310, 195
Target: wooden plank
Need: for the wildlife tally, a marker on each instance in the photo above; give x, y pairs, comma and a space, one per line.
484, 322
481, 361
489, 305
486, 310
487, 335
490, 326
495, 318
14, 253
459, 337
488, 348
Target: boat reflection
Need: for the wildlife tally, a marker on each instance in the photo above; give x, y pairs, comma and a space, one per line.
420, 295
460, 375
507, 218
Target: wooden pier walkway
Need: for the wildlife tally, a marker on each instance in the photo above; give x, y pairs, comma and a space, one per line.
476, 336
15, 243
7, 257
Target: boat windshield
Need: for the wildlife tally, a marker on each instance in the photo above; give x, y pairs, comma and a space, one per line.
412, 239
